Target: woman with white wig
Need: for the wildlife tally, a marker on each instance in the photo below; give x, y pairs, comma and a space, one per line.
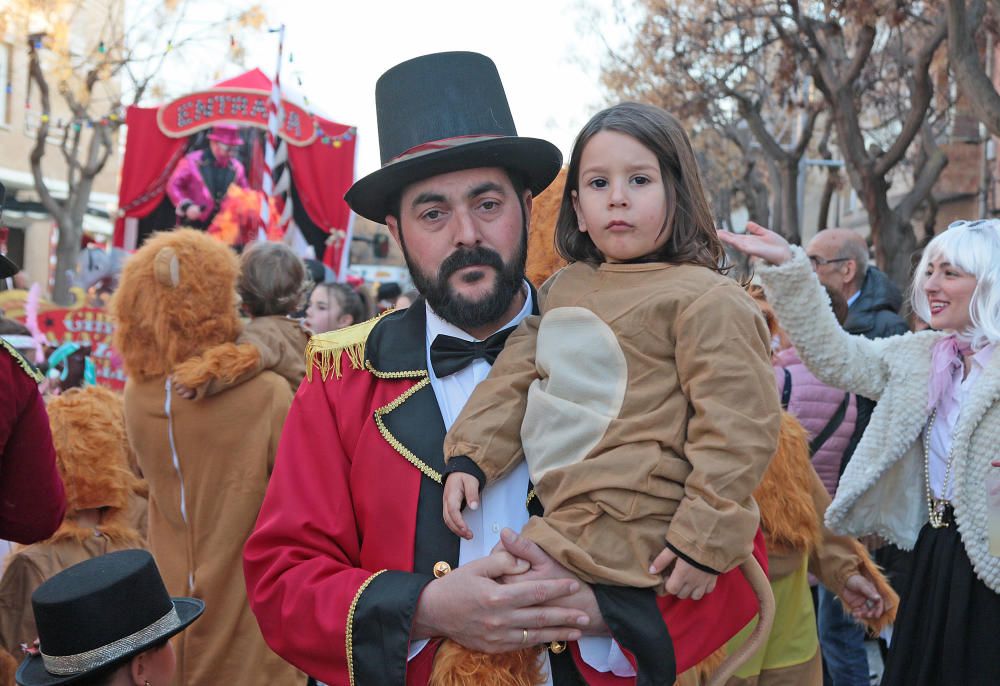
920, 475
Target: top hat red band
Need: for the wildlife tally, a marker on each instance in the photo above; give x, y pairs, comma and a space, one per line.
442, 144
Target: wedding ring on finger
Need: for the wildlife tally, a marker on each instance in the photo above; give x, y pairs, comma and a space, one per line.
524, 636
870, 604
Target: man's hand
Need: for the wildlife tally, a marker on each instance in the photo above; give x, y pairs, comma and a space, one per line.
470, 606
459, 488
686, 580
543, 567
192, 212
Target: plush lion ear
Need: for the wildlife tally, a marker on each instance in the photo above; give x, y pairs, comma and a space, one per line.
167, 268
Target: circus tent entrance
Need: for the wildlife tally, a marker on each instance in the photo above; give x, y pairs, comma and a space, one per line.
319, 155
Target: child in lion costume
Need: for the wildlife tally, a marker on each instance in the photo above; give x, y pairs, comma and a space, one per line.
792, 502
207, 463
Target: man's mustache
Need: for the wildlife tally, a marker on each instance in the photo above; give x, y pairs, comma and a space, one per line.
468, 257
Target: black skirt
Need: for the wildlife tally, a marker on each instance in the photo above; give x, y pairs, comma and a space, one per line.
948, 626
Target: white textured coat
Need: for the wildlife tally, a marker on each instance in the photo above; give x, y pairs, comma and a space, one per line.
883, 489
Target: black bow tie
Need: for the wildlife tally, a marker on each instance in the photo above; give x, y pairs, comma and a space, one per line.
450, 354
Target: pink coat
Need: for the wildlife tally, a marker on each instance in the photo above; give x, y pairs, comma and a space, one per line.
814, 403
186, 184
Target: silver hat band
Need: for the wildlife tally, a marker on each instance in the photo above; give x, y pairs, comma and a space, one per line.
65, 665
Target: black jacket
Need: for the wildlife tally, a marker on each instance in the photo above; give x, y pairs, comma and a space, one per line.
875, 314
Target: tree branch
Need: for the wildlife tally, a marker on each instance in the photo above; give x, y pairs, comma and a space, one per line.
921, 92
35, 73
863, 50
96, 161
970, 75
751, 112
923, 184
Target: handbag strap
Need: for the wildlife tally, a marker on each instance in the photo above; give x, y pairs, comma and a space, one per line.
786, 392
835, 421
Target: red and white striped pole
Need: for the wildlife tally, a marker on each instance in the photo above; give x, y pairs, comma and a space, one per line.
275, 117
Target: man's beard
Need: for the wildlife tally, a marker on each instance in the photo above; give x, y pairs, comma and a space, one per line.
458, 310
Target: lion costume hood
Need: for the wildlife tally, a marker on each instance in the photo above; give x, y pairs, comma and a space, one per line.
88, 430
177, 298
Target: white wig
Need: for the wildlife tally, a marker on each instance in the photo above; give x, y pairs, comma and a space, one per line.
973, 247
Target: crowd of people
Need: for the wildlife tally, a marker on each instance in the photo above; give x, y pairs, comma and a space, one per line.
638, 471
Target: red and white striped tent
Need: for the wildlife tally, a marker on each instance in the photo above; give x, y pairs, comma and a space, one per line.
320, 159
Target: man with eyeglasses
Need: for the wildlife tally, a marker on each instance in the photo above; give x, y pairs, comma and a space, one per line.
840, 259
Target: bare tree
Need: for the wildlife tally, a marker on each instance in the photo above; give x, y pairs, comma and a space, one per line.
96, 65
851, 54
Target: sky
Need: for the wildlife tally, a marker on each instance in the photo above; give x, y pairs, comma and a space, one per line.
548, 53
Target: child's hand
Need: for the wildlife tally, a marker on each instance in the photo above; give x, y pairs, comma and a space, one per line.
459, 488
863, 598
686, 580
182, 390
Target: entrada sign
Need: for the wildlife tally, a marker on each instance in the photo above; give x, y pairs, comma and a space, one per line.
198, 111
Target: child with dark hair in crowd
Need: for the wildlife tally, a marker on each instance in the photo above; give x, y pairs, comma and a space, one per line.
334, 306
272, 285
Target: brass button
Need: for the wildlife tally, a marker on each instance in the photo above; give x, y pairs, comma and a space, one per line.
441, 568
557, 646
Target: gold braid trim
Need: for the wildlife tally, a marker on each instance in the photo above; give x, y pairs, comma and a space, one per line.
425, 468
324, 350
350, 625
23, 363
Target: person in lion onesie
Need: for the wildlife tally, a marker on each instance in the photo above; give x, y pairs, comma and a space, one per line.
795, 535
207, 463
88, 432
455, 665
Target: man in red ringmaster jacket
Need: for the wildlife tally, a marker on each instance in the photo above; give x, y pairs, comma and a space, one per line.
32, 501
350, 570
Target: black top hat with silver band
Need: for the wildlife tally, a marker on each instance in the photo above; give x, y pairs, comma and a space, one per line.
441, 113
99, 613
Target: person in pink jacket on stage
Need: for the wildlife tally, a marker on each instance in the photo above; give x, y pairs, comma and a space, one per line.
200, 181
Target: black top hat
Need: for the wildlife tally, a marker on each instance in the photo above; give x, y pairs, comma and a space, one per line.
441, 113
100, 613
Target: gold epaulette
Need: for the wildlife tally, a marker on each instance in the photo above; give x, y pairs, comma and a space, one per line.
22, 363
324, 350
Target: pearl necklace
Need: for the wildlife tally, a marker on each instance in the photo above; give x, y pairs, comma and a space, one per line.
936, 506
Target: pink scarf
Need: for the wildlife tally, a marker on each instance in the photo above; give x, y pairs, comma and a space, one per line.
946, 358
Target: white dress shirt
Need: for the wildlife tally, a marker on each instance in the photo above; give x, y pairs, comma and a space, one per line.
502, 503
948, 410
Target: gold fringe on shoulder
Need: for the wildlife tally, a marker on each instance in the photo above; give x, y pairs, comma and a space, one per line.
324, 349
23, 363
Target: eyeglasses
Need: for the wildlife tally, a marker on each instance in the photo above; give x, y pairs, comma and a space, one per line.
820, 261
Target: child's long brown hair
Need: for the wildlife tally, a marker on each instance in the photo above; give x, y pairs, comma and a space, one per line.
693, 238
